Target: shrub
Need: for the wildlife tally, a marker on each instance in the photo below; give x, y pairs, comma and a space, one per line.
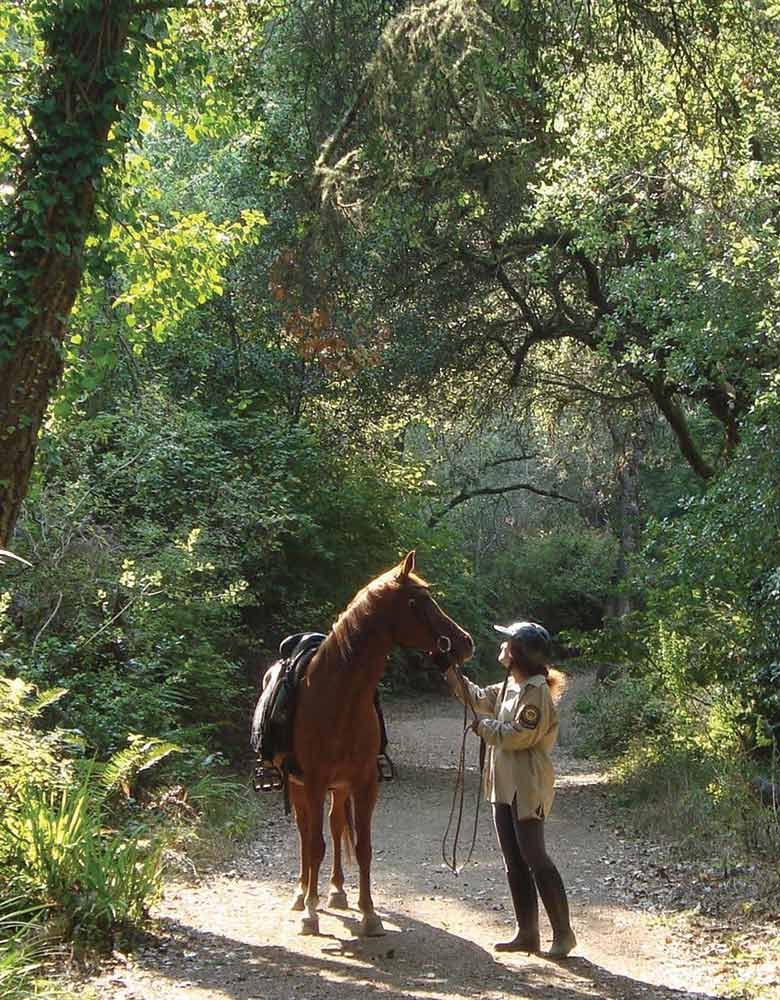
560, 577
96, 883
612, 717
670, 785
22, 953
56, 848
30, 756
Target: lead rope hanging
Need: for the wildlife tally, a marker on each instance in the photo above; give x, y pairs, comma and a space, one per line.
459, 792
460, 780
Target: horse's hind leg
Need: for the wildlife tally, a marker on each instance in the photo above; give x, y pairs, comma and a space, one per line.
340, 823
365, 800
298, 802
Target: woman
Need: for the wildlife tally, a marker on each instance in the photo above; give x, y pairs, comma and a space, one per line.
520, 728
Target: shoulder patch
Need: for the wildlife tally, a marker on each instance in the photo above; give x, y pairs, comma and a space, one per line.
529, 717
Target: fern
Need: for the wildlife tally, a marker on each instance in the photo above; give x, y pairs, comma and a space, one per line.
120, 771
29, 755
43, 699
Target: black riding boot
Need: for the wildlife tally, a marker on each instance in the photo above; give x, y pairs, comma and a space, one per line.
553, 894
526, 906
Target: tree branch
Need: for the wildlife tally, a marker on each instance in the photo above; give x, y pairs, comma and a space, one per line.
45, 625
675, 417
510, 458
593, 284
334, 141
484, 491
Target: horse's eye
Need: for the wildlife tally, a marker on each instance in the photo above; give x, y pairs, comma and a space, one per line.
412, 602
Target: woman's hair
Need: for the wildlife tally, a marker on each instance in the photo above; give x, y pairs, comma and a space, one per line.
536, 661
556, 682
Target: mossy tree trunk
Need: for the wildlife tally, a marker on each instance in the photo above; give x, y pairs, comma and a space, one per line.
73, 134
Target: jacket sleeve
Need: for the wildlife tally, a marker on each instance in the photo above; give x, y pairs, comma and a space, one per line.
531, 723
483, 699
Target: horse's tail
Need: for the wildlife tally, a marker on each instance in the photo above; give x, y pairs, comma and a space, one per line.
348, 834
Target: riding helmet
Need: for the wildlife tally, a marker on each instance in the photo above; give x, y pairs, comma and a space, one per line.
532, 640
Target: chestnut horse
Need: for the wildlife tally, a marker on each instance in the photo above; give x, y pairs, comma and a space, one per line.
336, 730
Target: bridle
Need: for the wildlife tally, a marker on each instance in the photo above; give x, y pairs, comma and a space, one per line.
444, 645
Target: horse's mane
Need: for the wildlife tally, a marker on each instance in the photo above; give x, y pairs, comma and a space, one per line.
365, 605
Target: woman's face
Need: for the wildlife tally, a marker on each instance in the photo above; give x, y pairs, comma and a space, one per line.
505, 655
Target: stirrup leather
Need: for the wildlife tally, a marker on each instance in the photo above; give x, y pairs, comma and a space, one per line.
385, 767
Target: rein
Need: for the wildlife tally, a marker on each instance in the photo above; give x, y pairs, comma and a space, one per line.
444, 645
459, 791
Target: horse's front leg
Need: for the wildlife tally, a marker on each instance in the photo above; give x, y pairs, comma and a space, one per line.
315, 801
298, 803
339, 823
365, 799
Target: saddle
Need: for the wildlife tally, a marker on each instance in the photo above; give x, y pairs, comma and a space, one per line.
274, 716
275, 711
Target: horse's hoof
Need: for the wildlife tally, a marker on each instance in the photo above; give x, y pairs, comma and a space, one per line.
371, 926
310, 925
297, 903
338, 900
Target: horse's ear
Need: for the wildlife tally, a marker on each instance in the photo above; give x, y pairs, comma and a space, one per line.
407, 566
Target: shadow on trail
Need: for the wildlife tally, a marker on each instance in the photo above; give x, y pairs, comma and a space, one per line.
411, 961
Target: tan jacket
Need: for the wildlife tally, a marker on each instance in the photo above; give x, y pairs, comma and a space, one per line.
520, 738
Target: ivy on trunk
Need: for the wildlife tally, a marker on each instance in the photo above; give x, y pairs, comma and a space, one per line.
93, 51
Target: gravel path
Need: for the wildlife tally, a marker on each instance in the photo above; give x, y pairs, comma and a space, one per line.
230, 936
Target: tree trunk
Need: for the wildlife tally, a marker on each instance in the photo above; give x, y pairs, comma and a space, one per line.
89, 69
629, 448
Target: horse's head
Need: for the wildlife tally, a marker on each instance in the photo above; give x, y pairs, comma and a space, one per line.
419, 622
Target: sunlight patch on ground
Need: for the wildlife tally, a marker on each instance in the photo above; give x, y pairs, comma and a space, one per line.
579, 780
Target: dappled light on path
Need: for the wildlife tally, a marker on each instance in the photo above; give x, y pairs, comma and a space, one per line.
232, 937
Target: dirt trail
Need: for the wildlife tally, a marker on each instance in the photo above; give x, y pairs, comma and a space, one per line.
230, 936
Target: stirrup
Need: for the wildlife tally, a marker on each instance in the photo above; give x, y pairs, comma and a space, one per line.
267, 778
385, 768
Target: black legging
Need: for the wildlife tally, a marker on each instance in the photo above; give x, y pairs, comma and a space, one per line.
528, 867
521, 841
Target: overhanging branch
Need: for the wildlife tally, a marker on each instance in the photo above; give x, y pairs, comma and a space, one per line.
486, 491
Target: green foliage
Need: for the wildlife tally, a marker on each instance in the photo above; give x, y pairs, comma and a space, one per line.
694, 791
56, 849
710, 614
21, 959
613, 717
673, 790
175, 545
210, 819
676, 762
560, 577
27, 761
99, 883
